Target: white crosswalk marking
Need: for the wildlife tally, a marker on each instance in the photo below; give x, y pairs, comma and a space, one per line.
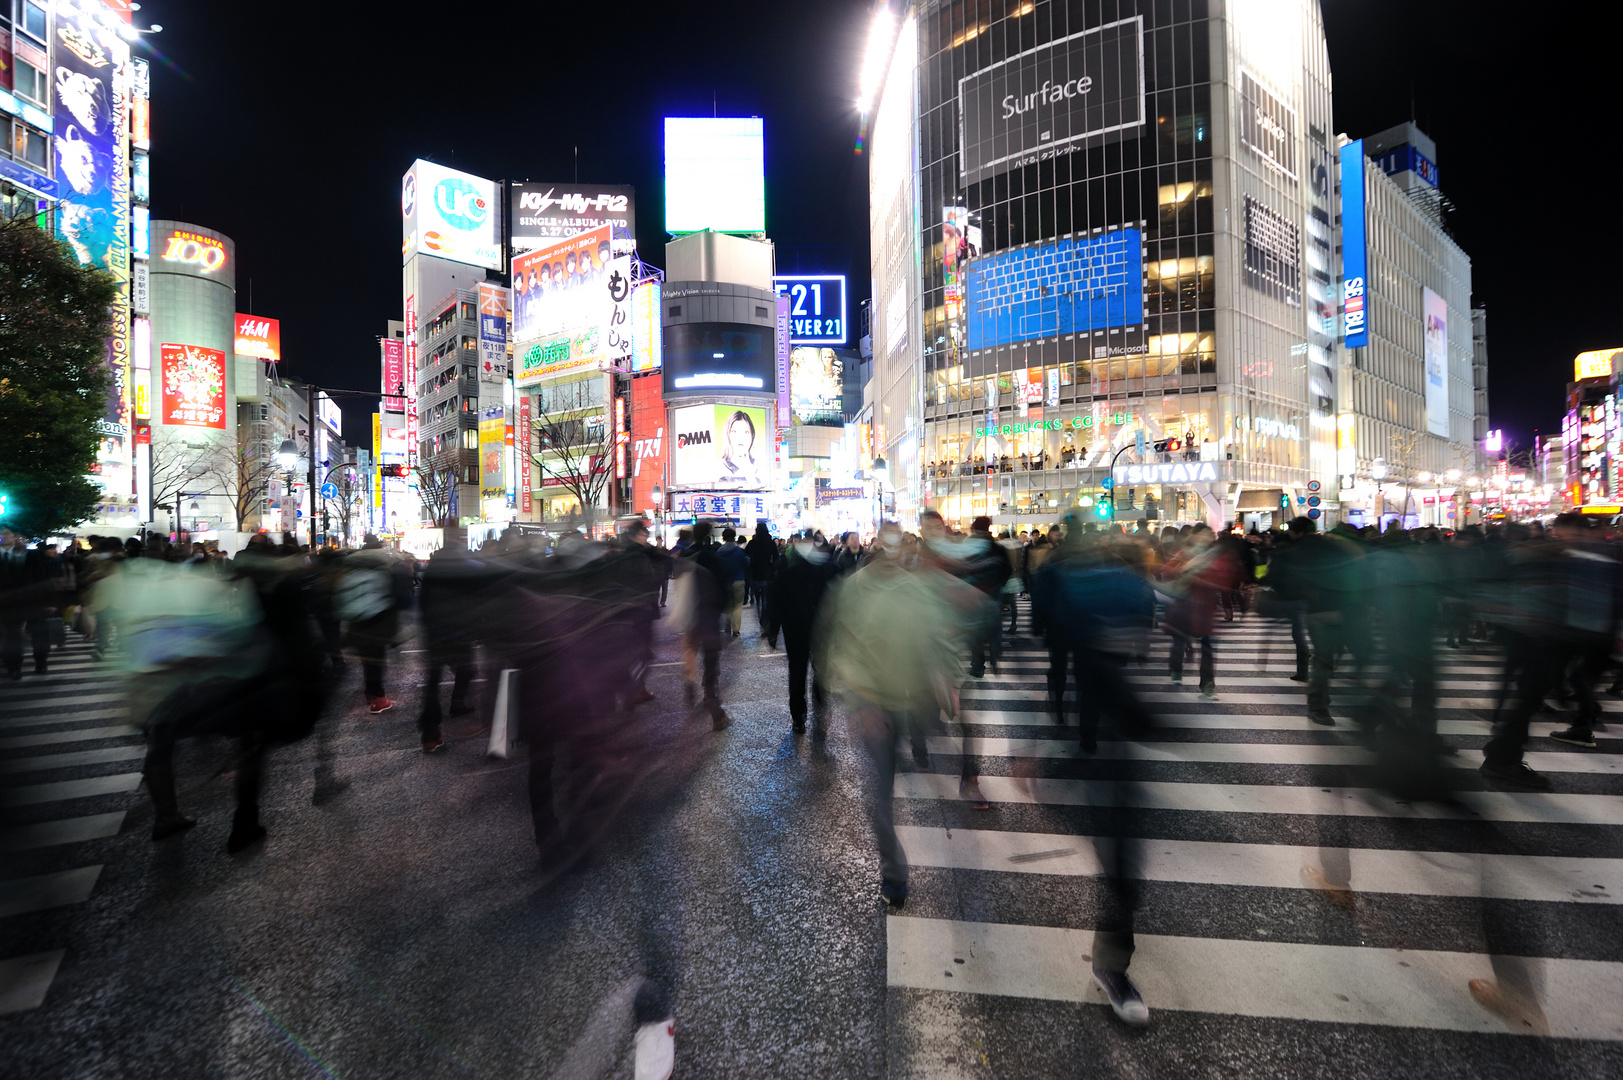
69, 719
1249, 762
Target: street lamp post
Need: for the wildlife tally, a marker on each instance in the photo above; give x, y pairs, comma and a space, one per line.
1378, 472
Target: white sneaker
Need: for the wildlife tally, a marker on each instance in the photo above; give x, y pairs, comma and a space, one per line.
654, 1050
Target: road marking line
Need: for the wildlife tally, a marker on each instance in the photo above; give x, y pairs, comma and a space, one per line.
52, 738
66, 831
58, 791
1407, 988
43, 762
24, 980
21, 895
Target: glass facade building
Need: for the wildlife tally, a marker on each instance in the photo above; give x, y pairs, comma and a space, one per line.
1100, 225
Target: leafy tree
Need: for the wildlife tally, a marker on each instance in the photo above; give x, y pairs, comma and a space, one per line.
54, 320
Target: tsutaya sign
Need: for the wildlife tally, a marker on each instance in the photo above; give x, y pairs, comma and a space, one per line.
1079, 423
1182, 472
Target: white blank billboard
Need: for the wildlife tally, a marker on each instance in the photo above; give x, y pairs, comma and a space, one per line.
715, 174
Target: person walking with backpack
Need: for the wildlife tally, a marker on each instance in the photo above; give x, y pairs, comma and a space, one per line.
373, 587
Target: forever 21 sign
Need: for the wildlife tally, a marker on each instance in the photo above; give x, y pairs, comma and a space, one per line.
1076, 92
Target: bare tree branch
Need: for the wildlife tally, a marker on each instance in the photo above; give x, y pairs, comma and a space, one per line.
567, 449
243, 473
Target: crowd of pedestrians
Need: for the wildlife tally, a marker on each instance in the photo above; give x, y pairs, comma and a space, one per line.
254, 648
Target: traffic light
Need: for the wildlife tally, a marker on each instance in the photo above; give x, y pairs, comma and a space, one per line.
1102, 507
1284, 502
1169, 446
3, 507
394, 470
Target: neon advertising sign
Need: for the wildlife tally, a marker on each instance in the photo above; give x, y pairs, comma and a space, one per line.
203, 252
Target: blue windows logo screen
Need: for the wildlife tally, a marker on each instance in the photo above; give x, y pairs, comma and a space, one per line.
1071, 286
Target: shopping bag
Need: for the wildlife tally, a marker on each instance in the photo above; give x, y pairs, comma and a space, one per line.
501, 727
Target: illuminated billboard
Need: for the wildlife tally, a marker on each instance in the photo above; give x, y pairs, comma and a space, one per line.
816, 307
542, 213
647, 336
193, 386
1595, 364
649, 446
1073, 285
1354, 271
394, 374
1080, 91
450, 215
715, 174
493, 306
708, 357
721, 446
816, 390
561, 304
1436, 343
258, 336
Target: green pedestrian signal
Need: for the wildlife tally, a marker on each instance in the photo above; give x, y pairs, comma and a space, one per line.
1102, 507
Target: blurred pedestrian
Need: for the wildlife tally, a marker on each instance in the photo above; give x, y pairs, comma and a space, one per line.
799, 586
370, 593
735, 578
451, 584
762, 551
889, 645
702, 577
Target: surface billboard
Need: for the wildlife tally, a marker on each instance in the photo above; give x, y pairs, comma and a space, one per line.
1079, 91
647, 335
561, 304
1436, 325
1073, 285
816, 385
715, 174
451, 215
721, 446
259, 336
542, 213
193, 386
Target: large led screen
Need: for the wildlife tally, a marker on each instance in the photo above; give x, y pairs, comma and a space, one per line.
715, 174
1079, 91
451, 215
1072, 286
721, 446
708, 357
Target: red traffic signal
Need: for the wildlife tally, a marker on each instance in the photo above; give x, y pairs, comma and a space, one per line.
394, 470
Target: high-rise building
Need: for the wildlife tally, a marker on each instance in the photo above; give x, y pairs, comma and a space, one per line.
1108, 268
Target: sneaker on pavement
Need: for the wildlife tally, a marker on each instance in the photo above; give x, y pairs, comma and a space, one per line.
1574, 736
1299, 677
379, 705
433, 743
969, 790
1518, 775
1208, 690
719, 720
1321, 716
894, 892
1124, 997
1177, 678
654, 1050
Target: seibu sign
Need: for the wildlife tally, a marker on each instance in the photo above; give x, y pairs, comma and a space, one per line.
204, 252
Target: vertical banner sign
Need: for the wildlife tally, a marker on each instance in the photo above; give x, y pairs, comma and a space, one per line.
617, 330
394, 374
621, 437
492, 453
492, 332
1436, 316
1354, 270
783, 360
646, 333
377, 459
524, 453
1053, 386
411, 383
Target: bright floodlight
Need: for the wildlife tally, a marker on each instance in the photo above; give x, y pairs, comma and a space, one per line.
1377, 471
877, 57
287, 455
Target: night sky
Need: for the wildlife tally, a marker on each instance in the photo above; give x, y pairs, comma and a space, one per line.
289, 132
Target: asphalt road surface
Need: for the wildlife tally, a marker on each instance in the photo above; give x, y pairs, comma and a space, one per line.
395, 922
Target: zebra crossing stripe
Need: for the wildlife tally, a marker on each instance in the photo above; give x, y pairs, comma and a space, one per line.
1273, 799
1229, 753
63, 831
1337, 984
33, 794
21, 895
51, 738
24, 980
72, 758
1277, 866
